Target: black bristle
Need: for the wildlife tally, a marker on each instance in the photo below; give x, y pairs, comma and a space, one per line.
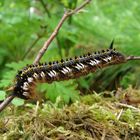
39, 63
111, 45
89, 54
45, 63
50, 63
62, 61
19, 72
103, 51
34, 65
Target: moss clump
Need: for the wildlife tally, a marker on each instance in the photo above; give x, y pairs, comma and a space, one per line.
105, 118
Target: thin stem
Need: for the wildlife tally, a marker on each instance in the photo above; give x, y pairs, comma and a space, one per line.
39, 36
128, 106
133, 58
6, 102
32, 45
45, 8
59, 47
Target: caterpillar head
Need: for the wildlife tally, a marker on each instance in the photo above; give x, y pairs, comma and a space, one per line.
116, 56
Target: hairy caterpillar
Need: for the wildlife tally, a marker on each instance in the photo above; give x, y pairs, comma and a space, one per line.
27, 78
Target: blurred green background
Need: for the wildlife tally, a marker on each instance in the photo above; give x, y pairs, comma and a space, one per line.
25, 25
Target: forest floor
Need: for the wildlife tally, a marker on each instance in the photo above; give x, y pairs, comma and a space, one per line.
95, 117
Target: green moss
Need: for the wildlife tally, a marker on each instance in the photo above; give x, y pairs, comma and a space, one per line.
80, 120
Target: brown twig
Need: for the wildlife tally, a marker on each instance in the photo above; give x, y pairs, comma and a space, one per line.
46, 44
133, 58
56, 30
6, 102
128, 106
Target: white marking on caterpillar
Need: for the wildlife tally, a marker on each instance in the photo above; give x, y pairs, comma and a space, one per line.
92, 63
25, 86
79, 67
107, 59
95, 62
30, 79
42, 74
35, 76
52, 73
68, 69
82, 65
64, 70
26, 94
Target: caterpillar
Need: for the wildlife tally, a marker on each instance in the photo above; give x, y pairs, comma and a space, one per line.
29, 76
